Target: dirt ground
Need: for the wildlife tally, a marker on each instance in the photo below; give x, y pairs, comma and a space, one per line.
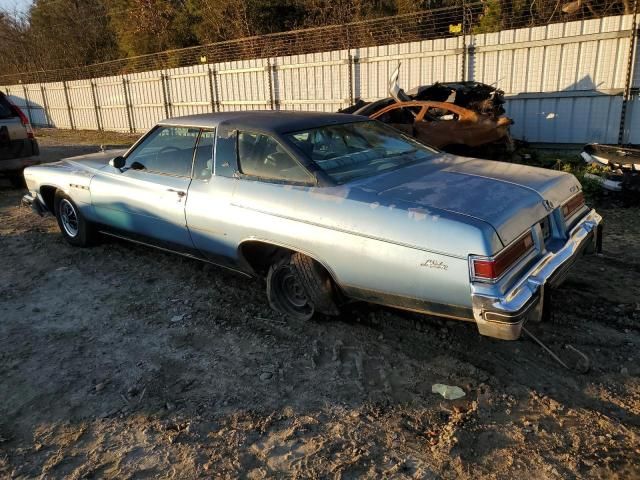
120, 361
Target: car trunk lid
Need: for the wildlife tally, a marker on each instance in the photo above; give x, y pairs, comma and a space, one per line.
509, 197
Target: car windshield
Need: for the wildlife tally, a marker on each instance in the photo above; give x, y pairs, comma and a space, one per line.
358, 150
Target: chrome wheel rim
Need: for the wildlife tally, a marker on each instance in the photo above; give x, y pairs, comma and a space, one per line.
68, 218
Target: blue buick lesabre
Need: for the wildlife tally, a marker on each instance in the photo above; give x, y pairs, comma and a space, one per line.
332, 208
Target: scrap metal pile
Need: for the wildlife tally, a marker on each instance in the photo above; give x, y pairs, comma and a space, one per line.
459, 117
620, 168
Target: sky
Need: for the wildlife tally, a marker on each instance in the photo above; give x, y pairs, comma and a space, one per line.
10, 6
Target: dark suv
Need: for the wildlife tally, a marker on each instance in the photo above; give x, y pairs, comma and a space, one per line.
17, 143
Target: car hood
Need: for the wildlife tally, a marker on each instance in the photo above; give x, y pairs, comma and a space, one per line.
509, 197
95, 160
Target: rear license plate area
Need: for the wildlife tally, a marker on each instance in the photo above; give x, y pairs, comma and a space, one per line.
545, 226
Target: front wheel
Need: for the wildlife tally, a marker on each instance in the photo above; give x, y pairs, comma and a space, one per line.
74, 227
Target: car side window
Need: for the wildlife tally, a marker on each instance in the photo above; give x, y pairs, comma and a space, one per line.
167, 150
5, 108
263, 157
203, 160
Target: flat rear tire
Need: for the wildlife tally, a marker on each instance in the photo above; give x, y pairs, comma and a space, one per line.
300, 287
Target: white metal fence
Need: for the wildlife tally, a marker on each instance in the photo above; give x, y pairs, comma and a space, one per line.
564, 83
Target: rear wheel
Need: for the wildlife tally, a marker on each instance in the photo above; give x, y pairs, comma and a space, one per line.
74, 227
299, 287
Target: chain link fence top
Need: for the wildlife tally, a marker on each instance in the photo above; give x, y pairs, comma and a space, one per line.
463, 19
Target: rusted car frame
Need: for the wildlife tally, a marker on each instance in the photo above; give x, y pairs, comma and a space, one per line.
461, 117
442, 124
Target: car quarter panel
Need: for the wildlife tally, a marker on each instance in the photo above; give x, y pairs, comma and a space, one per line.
390, 249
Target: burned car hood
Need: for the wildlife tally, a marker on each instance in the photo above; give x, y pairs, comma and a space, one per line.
509, 197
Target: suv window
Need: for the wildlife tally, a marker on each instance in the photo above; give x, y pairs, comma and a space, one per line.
261, 156
5, 108
203, 160
167, 150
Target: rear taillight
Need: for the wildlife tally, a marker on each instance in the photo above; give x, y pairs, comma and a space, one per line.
574, 204
489, 269
23, 118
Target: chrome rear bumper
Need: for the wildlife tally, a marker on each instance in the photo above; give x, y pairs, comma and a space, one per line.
30, 201
503, 316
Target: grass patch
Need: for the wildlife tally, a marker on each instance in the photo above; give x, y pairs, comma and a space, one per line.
568, 161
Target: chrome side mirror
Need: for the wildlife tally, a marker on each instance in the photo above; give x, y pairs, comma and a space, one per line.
117, 162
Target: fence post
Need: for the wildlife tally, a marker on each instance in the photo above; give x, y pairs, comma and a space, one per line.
629, 75
26, 103
268, 70
66, 98
96, 108
216, 90
210, 78
127, 104
47, 116
165, 95
350, 63
470, 72
463, 68
465, 49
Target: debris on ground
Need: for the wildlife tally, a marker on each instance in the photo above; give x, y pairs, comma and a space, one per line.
607, 184
619, 168
449, 392
459, 117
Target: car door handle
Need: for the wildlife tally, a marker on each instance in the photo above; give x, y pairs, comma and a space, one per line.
181, 193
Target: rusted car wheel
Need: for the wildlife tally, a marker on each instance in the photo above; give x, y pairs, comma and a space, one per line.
299, 287
73, 226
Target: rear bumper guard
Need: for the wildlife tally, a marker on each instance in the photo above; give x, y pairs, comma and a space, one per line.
503, 316
30, 201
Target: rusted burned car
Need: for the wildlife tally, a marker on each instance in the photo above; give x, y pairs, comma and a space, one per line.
444, 124
458, 117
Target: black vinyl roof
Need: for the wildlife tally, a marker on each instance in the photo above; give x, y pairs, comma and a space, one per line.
277, 121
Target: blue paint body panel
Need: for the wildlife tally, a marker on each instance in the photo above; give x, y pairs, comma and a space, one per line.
402, 237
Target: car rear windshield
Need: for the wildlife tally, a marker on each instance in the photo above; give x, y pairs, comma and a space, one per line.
5, 108
357, 150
